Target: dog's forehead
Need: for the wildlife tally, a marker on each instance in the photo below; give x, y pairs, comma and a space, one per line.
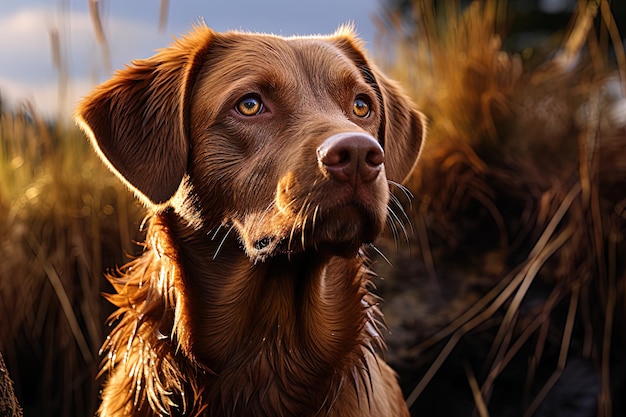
318, 56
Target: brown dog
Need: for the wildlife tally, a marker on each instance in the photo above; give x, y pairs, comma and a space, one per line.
261, 159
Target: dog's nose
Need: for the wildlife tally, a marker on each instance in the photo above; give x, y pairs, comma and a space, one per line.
350, 156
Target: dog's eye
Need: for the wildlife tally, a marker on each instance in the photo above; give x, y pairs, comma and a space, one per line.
250, 106
361, 107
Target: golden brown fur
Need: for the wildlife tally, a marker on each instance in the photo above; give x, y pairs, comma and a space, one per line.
251, 297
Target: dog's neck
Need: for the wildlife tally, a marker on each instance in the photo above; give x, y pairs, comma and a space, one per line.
298, 326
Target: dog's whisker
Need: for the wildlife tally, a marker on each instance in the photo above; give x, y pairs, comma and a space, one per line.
270, 206
407, 193
380, 253
219, 247
399, 205
217, 230
303, 217
403, 220
303, 222
292, 233
392, 224
397, 220
395, 233
286, 206
314, 222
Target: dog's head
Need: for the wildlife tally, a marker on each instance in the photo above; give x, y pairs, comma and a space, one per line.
291, 140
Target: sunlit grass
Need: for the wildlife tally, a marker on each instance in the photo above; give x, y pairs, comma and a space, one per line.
519, 201
63, 220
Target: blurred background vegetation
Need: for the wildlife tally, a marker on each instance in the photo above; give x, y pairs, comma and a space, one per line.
507, 298
63, 220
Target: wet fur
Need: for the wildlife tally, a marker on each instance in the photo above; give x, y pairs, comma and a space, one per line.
251, 297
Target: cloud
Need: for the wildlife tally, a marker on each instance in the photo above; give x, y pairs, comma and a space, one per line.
28, 71
24, 44
45, 96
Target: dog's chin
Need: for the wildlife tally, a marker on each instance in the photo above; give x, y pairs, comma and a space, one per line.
338, 232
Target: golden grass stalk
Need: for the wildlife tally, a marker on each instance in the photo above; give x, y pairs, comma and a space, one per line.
519, 186
63, 220
98, 28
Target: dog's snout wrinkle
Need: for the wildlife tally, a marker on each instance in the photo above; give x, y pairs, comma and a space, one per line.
351, 157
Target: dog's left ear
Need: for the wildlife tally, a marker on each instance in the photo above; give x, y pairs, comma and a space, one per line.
403, 128
137, 121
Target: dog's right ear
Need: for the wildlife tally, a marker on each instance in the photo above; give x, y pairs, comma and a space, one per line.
138, 120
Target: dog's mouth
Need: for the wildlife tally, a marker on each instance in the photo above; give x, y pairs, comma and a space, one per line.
339, 231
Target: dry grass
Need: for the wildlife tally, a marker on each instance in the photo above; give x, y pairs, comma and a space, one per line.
519, 210
63, 219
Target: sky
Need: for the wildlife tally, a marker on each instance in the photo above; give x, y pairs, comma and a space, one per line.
27, 71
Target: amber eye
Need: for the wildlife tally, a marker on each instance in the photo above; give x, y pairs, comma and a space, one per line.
361, 107
250, 105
